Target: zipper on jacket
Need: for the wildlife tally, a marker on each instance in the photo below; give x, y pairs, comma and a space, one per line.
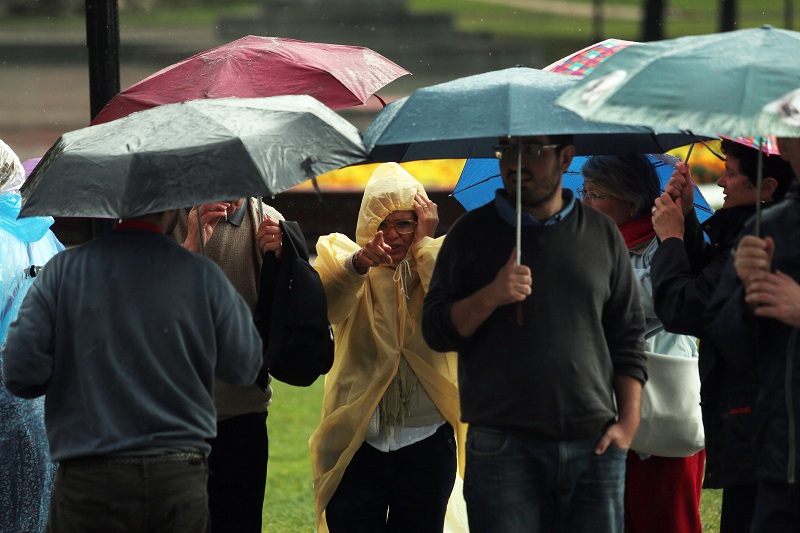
790, 405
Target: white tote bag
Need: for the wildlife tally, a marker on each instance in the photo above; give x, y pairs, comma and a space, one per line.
672, 422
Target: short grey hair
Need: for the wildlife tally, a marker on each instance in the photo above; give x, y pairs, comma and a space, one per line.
630, 177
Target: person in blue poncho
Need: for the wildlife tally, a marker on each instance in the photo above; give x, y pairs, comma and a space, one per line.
26, 472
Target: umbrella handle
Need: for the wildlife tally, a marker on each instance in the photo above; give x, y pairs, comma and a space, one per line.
519, 219
200, 230
759, 179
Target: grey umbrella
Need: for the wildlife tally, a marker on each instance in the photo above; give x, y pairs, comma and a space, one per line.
190, 153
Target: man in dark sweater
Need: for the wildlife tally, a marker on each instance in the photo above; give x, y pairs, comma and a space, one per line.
544, 347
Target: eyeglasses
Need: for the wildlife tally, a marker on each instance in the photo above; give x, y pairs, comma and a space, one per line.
403, 227
506, 152
589, 196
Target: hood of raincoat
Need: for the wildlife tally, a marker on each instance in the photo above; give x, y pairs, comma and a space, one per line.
390, 188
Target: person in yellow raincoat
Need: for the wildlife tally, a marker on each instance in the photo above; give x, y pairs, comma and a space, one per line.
384, 455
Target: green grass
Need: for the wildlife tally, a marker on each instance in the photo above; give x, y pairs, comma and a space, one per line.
289, 498
684, 17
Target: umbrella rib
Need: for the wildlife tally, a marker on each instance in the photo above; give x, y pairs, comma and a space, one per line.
471, 185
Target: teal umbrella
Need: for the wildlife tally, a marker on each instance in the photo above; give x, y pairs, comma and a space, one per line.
465, 117
741, 84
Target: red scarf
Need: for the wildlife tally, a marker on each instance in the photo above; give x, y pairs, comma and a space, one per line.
637, 231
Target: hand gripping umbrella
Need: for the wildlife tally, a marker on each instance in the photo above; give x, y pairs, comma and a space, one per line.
338, 76
178, 155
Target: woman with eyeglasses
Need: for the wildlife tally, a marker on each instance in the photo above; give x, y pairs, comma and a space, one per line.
662, 494
384, 455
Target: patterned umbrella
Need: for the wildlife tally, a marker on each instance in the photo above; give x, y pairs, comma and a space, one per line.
584, 61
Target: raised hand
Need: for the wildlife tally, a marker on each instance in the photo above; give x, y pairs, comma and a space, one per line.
668, 217
753, 255
681, 185
269, 236
374, 253
427, 217
210, 215
774, 295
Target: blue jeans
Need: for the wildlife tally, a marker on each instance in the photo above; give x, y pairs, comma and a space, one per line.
516, 483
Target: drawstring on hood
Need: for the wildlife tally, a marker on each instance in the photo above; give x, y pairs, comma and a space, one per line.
401, 274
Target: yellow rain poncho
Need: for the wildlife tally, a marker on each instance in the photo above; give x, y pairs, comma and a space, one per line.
375, 324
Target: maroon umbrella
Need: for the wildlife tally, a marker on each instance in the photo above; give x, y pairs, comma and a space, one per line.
338, 76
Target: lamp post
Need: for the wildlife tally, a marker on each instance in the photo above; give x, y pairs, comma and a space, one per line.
102, 40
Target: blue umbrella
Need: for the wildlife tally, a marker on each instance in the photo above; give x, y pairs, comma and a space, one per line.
480, 178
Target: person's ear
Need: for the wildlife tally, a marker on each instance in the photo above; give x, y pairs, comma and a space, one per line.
565, 157
768, 187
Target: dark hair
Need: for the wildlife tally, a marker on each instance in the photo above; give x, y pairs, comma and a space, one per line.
630, 177
774, 166
561, 140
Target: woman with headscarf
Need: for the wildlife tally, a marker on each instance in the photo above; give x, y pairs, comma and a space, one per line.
662, 494
26, 472
384, 455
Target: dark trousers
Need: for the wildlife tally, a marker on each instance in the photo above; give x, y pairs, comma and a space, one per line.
738, 503
777, 508
412, 484
237, 474
99, 497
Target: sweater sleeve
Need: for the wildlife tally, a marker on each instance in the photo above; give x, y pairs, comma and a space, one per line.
438, 329
680, 295
625, 338
729, 322
29, 347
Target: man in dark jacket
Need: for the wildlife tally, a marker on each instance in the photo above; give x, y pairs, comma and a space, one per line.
684, 273
754, 317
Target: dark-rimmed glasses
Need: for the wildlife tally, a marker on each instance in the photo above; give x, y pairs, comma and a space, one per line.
507, 152
403, 227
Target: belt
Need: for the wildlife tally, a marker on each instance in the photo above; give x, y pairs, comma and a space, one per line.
178, 457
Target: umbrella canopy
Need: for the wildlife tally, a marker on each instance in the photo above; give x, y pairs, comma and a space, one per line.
190, 153
338, 76
748, 87
480, 178
465, 117
586, 59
